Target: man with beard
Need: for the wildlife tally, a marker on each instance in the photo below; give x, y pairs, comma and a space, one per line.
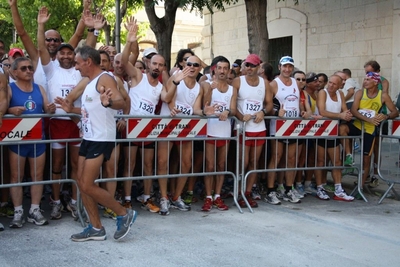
145, 91
61, 80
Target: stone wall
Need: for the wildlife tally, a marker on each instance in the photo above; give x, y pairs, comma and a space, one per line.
328, 35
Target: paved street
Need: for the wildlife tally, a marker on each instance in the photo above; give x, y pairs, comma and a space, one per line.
313, 233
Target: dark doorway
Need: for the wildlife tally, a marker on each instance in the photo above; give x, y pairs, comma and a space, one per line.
279, 47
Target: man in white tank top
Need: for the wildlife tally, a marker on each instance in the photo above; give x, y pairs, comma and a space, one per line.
331, 104
99, 100
285, 90
183, 97
61, 79
145, 92
224, 97
254, 101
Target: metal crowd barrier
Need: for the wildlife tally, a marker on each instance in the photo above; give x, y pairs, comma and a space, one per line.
389, 171
302, 131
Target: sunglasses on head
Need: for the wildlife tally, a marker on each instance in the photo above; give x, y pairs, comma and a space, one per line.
249, 65
301, 79
235, 65
56, 40
25, 68
286, 60
150, 56
196, 65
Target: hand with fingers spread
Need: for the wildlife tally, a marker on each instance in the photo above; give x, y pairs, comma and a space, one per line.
132, 32
130, 22
43, 15
181, 74
105, 96
210, 110
64, 104
98, 21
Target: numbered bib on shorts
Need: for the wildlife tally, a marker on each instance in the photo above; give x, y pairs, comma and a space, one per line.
184, 108
369, 113
251, 106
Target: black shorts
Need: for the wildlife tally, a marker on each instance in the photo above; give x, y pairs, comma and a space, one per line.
328, 143
292, 141
93, 149
368, 139
198, 146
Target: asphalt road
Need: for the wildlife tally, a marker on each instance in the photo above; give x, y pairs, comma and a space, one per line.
312, 233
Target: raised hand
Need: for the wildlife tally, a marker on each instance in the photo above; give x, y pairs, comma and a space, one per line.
12, 2
86, 4
43, 15
181, 74
98, 21
105, 96
132, 33
131, 21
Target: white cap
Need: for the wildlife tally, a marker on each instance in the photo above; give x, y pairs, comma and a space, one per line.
149, 51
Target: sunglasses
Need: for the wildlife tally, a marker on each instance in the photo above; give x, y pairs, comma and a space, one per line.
25, 68
56, 40
249, 65
301, 79
185, 58
196, 65
6, 65
286, 60
235, 65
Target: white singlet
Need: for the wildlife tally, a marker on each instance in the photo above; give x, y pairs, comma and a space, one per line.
215, 127
250, 100
185, 98
144, 97
289, 97
98, 122
333, 106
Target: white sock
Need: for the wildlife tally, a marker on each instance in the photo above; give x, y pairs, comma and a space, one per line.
128, 198
338, 188
58, 202
145, 197
18, 208
210, 197
216, 196
33, 207
73, 201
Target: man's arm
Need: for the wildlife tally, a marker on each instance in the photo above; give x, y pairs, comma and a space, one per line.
3, 96
43, 17
25, 38
387, 100
110, 96
172, 84
134, 73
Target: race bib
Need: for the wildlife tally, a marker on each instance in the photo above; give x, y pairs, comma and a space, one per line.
369, 113
184, 108
146, 107
251, 106
291, 113
220, 107
86, 125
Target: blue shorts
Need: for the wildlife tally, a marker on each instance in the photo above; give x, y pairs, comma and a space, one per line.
29, 150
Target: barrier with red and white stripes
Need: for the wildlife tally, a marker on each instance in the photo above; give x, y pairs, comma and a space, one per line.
396, 128
307, 128
166, 128
17, 129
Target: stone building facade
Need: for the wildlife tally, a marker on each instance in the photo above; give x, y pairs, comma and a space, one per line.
327, 35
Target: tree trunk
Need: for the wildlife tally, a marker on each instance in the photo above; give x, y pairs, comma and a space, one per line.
163, 27
257, 30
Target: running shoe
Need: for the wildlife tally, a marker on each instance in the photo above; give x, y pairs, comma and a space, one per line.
374, 182
73, 209
150, 206
180, 205
219, 204
127, 204
18, 220
348, 160
291, 197
208, 203
90, 234
56, 211
37, 218
7, 211
321, 194
164, 206
255, 193
342, 196
124, 224
329, 188
271, 198
297, 194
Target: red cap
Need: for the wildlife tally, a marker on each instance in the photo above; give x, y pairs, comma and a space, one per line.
253, 59
13, 51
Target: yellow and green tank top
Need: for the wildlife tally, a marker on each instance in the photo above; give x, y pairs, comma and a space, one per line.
369, 107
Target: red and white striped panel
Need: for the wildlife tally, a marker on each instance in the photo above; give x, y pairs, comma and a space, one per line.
21, 129
307, 128
396, 128
166, 128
